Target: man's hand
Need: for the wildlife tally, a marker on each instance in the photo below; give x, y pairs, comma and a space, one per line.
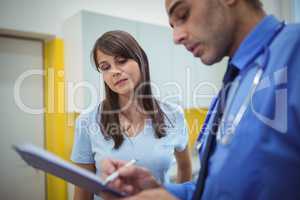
157, 194
131, 180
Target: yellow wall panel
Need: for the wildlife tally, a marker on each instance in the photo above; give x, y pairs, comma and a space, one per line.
195, 118
55, 117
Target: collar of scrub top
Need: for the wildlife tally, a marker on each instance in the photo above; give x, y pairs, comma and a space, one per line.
258, 39
253, 45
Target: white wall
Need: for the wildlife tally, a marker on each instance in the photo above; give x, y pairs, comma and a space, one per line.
297, 10
44, 16
48, 16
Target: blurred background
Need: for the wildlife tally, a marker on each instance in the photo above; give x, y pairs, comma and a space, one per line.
47, 79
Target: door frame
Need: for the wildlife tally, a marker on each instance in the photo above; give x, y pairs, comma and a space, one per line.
53, 102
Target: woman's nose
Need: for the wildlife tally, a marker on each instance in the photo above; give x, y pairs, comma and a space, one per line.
116, 71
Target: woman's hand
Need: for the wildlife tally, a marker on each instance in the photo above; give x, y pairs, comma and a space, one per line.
80, 193
184, 165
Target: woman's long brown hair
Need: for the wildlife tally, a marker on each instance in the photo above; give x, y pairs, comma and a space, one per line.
122, 44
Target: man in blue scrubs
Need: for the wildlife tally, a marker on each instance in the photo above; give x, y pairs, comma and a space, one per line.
254, 152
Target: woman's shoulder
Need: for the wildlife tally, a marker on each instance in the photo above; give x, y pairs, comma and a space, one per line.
172, 111
88, 121
89, 115
170, 108
176, 123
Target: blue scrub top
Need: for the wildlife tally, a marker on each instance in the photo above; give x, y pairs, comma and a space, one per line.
261, 160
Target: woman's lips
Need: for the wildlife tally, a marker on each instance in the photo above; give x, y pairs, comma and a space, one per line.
120, 82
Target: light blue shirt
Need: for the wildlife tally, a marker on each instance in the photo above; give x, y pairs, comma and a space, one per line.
155, 154
262, 158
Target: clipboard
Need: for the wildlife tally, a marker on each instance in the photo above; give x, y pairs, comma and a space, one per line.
43, 160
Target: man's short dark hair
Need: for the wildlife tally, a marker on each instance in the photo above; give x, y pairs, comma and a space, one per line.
257, 4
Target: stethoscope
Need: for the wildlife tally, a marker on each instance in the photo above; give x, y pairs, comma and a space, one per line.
260, 64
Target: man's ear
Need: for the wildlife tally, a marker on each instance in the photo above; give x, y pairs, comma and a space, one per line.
229, 3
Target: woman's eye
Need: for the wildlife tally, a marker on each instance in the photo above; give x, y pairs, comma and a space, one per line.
104, 67
121, 60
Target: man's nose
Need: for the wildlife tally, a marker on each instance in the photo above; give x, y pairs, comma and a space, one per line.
179, 35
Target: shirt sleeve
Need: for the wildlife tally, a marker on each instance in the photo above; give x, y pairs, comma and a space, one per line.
82, 150
183, 191
182, 135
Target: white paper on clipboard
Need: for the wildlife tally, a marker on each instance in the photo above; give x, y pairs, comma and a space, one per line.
50, 163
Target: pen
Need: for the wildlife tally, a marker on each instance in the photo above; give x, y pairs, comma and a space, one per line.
114, 175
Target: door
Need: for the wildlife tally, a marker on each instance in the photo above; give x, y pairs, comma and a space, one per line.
21, 94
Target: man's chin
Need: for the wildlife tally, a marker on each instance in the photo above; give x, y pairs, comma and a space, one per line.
207, 61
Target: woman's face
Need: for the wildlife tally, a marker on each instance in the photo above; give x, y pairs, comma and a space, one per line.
121, 75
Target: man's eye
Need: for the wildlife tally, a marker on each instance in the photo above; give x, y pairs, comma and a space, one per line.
182, 16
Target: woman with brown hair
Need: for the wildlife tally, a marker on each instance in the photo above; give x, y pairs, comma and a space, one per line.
129, 123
